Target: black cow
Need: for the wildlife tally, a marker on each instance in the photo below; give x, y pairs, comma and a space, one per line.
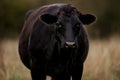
54, 42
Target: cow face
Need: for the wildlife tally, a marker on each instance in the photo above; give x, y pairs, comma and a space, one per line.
68, 26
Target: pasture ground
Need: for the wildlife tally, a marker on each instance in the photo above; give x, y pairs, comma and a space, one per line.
103, 61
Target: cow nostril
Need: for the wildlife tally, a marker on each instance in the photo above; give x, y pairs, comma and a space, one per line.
70, 45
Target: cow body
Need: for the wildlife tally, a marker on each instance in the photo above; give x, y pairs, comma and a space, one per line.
54, 42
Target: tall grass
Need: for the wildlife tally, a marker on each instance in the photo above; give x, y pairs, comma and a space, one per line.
103, 61
2, 65
14, 68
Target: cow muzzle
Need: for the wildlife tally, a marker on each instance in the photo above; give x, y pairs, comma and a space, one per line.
70, 45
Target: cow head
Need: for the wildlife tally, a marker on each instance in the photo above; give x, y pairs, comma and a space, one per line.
68, 23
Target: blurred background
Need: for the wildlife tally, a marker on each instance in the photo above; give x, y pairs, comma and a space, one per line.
103, 62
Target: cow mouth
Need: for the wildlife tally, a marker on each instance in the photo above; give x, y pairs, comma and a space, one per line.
68, 50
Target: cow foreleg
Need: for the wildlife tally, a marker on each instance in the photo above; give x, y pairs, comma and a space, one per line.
61, 76
77, 72
37, 71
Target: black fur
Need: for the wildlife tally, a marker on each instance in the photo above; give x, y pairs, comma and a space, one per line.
42, 43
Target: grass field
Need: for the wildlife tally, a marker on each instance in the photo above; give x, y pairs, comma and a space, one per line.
103, 61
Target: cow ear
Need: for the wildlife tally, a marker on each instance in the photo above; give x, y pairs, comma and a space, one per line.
48, 18
87, 18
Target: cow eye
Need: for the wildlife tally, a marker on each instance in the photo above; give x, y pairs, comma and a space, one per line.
77, 25
76, 28
60, 27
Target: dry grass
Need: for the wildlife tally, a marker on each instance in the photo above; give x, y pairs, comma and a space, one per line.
14, 68
103, 62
